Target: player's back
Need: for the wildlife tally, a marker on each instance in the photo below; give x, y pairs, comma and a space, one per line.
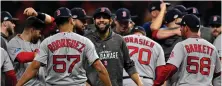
146, 53
66, 58
199, 63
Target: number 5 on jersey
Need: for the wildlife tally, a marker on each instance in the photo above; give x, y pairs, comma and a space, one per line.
63, 63
141, 51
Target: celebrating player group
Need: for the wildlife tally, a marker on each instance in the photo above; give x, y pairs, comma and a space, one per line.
65, 50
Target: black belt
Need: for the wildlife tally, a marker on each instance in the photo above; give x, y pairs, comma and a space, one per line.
126, 77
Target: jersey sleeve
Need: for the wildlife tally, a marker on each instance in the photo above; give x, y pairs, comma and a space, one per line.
217, 64
90, 52
6, 62
14, 49
177, 55
161, 57
42, 55
217, 44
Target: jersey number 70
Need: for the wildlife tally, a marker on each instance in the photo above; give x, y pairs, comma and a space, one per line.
63, 63
141, 51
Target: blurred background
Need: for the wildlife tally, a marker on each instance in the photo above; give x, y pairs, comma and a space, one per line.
139, 8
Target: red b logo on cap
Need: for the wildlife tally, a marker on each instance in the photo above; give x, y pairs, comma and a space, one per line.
103, 9
124, 14
215, 18
58, 12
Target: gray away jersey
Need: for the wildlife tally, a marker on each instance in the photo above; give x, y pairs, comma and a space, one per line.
217, 44
6, 65
64, 54
197, 60
146, 53
15, 46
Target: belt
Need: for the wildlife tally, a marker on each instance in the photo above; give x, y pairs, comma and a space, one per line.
126, 77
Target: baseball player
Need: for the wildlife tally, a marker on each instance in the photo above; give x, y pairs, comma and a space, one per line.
195, 58
112, 51
80, 17
64, 55
7, 27
215, 24
147, 55
23, 47
7, 69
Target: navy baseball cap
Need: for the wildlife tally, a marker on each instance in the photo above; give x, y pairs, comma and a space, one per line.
155, 5
138, 29
79, 13
190, 20
34, 22
62, 12
193, 10
173, 14
6, 16
102, 10
181, 8
215, 20
123, 14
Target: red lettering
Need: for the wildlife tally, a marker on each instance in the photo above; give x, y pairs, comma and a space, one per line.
187, 48
68, 42
208, 50
131, 39
141, 41
195, 47
58, 43
126, 39
136, 40
211, 52
151, 44
62, 43
199, 48
55, 46
191, 48
51, 48
73, 44
204, 46
81, 48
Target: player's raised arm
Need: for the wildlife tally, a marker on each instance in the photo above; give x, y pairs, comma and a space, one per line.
43, 16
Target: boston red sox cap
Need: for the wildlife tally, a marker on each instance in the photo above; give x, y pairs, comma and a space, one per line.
102, 10
6, 16
79, 13
155, 5
62, 12
138, 29
171, 15
123, 14
215, 20
181, 8
193, 10
191, 20
34, 22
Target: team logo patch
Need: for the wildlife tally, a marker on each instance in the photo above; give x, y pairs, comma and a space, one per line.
58, 12
194, 10
103, 9
5, 18
17, 50
124, 14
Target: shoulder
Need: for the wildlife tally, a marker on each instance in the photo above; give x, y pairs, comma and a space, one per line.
14, 40
117, 37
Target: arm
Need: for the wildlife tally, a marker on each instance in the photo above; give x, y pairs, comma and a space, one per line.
44, 17
129, 65
103, 74
163, 34
30, 72
135, 77
156, 24
163, 73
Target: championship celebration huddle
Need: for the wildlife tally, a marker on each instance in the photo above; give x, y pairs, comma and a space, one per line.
172, 49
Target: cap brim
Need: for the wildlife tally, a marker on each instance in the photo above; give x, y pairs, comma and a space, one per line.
124, 20
13, 19
180, 23
134, 17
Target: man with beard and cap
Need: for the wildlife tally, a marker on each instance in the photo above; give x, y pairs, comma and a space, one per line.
215, 25
64, 55
79, 15
23, 48
112, 51
7, 28
194, 58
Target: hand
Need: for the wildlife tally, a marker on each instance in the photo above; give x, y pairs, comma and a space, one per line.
177, 31
163, 6
30, 12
